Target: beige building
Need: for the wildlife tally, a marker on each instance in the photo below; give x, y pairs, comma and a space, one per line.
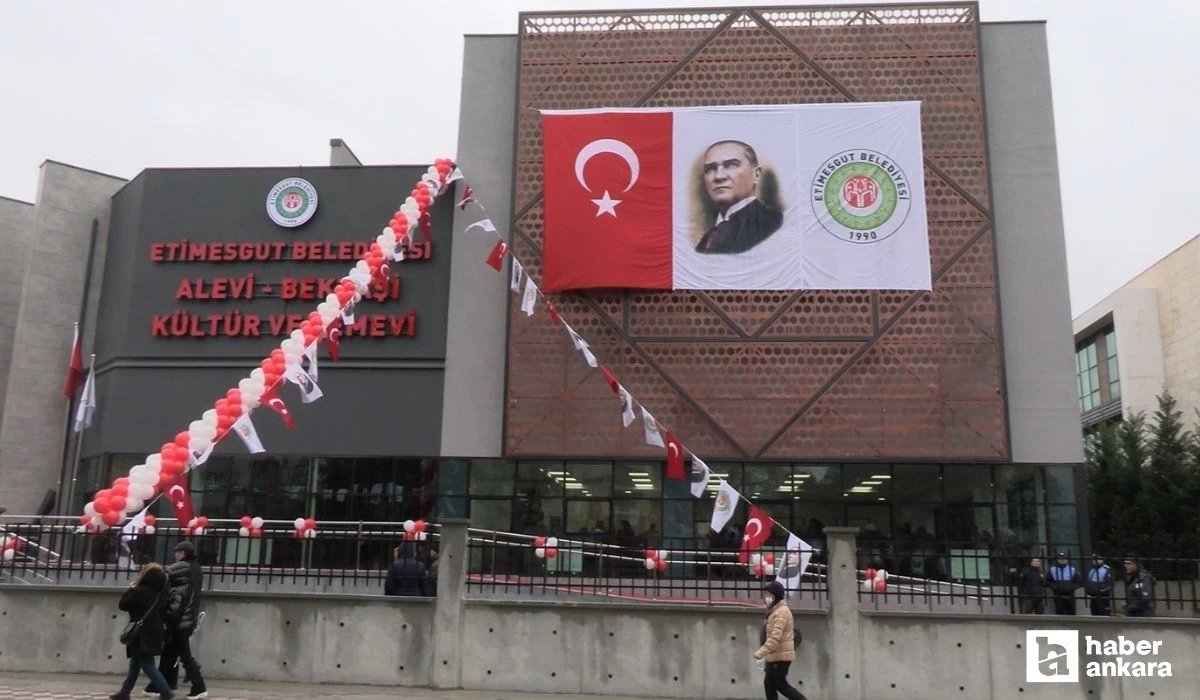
1142, 339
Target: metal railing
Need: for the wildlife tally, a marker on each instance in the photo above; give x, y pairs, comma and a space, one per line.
342, 557
506, 565
964, 577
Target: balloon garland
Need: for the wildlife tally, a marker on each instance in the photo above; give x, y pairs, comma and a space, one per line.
146, 481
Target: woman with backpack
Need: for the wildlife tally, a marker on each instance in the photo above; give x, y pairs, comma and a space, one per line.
778, 649
143, 635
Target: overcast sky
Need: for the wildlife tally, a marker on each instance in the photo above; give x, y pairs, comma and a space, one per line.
124, 85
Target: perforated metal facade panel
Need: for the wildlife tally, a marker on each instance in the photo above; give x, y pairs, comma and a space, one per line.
797, 376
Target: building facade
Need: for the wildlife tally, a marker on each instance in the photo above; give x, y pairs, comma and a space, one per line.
1140, 341
946, 416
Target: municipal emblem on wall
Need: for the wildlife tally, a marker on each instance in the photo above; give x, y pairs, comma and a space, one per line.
292, 202
861, 196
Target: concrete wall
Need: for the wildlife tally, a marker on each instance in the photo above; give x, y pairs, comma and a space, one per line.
1134, 315
473, 408
1043, 403
16, 234
1157, 323
31, 431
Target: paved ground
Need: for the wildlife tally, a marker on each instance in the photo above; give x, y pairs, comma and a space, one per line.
36, 686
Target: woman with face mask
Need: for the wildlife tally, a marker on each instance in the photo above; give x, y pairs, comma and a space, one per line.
777, 652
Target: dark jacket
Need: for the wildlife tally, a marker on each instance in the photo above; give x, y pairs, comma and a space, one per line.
183, 601
406, 575
1099, 582
146, 602
1139, 594
745, 229
1032, 582
1063, 580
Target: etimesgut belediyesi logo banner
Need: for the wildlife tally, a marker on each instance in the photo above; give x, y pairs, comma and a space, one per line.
1054, 656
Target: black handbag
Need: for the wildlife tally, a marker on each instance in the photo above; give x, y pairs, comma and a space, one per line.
131, 635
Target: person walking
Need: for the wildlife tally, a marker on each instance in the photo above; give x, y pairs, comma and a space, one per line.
144, 601
1139, 589
1063, 580
1098, 587
778, 649
1031, 588
406, 575
185, 579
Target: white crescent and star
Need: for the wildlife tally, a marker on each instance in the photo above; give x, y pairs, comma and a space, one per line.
606, 204
278, 405
757, 529
672, 450
178, 500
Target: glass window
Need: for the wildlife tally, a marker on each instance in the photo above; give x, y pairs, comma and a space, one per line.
1060, 484
970, 525
769, 481
730, 472
1088, 375
917, 483
452, 477
1021, 525
968, 483
491, 477
1064, 527
1114, 377
678, 518
920, 524
638, 479
642, 516
818, 481
866, 482
538, 516
582, 517
1019, 483
491, 514
540, 479
589, 479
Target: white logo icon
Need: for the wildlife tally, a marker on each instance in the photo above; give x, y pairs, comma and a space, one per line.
606, 204
1051, 656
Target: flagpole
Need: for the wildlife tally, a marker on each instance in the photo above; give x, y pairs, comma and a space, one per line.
79, 435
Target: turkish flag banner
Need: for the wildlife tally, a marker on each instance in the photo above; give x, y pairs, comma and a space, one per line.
769, 197
758, 531
607, 183
272, 400
674, 457
181, 500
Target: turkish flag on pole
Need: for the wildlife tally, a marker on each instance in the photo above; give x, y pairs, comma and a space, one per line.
674, 457
181, 500
758, 530
335, 339
495, 259
75, 368
608, 200
611, 380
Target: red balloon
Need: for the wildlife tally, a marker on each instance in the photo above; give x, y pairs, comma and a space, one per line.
246, 519
102, 505
181, 455
255, 532
85, 519
551, 553
121, 481
310, 524
539, 542
111, 518
419, 526
758, 569
182, 439
870, 574
165, 478
202, 521
661, 564
769, 558
277, 355
880, 585
103, 493
232, 396
117, 503
651, 554
120, 490
150, 520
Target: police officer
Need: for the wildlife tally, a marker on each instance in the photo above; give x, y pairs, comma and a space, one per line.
1098, 587
1063, 579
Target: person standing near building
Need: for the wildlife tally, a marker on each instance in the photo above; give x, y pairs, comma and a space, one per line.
144, 600
778, 649
1139, 589
185, 578
406, 576
1063, 580
1031, 588
1098, 587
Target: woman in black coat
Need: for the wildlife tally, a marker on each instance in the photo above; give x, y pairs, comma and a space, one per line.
144, 600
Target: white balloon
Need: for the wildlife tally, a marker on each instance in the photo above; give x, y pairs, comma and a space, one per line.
256, 523
881, 574
97, 521
132, 503
198, 443
9, 555
298, 336
299, 523
387, 231
154, 462
650, 564
210, 417
147, 479
244, 531
142, 490
198, 531
769, 569
409, 525
249, 402
386, 242
150, 529
246, 385
196, 426
409, 201
258, 375
539, 553
90, 510
310, 534
291, 345
662, 554
333, 301
755, 559
551, 542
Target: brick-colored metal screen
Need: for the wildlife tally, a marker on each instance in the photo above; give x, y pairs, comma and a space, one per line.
772, 375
